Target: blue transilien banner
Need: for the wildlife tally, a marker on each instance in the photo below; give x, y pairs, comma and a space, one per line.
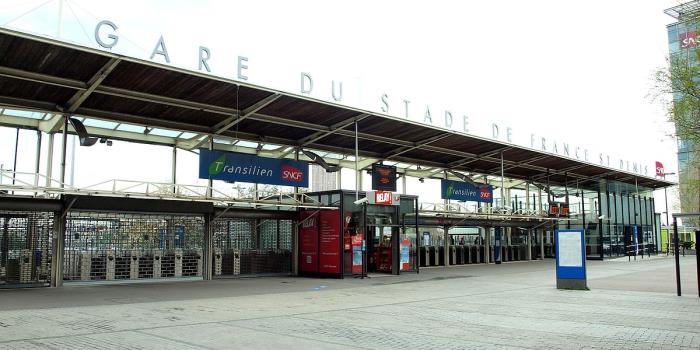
229, 166
463, 191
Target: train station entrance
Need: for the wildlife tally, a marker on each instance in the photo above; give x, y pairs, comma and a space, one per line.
246, 136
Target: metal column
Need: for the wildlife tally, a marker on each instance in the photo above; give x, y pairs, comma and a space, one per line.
528, 256
487, 244
49, 162
446, 252
541, 232
57, 247
358, 176
38, 159
207, 273
678, 263
64, 143
210, 183
173, 174
295, 228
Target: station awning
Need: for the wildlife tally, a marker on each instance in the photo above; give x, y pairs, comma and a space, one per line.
50, 76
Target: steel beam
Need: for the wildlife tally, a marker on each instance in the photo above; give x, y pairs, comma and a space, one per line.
97, 79
42, 78
246, 113
416, 145
479, 157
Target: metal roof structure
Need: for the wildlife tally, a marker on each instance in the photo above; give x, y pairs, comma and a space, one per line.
154, 103
679, 12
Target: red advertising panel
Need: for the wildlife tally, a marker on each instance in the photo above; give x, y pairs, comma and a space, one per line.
308, 238
357, 253
329, 242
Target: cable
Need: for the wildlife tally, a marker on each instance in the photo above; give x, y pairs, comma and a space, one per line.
78, 19
26, 13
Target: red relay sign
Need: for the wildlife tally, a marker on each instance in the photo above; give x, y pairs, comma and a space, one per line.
381, 197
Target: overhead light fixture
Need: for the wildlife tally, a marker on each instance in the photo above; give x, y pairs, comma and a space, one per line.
83, 136
320, 161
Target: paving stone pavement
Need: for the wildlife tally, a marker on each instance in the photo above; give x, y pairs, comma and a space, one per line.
510, 306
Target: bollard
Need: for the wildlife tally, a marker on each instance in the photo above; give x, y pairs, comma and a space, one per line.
675, 250
697, 259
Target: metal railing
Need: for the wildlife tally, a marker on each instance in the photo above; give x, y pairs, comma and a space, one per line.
474, 210
29, 184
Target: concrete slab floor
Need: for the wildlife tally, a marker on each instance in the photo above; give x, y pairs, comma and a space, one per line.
509, 306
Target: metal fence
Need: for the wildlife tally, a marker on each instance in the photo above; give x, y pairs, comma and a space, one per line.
245, 247
25, 248
113, 246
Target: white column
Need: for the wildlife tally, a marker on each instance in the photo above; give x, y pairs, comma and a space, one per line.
487, 244
49, 162
541, 231
528, 255
403, 184
338, 180
446, 254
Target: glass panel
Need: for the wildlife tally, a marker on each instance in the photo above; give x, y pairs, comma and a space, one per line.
131, 128
163, 132
100, 123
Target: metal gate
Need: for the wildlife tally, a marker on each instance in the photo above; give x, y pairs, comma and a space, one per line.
118, 246
252, 247
25, 248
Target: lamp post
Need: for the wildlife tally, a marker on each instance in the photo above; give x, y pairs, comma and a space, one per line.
668, 238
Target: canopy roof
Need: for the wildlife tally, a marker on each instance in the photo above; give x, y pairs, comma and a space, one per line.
145, 98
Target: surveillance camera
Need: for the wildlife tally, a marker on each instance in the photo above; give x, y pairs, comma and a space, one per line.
601, 217
360, 201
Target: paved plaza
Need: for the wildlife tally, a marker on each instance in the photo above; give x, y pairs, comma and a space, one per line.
631, 305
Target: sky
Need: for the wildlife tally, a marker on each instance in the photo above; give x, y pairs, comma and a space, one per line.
579, 72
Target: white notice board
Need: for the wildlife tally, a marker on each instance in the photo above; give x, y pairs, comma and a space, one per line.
569, 246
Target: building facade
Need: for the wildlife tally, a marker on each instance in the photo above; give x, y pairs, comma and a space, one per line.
683, 40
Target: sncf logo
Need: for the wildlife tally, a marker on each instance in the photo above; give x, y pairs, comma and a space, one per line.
290, 173
485, 193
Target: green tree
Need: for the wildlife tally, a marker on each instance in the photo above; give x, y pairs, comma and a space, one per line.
681, 80
677, 86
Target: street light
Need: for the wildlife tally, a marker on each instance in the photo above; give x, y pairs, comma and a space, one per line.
668, 236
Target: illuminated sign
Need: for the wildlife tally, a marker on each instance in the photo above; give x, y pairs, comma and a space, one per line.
383, 177
383, 198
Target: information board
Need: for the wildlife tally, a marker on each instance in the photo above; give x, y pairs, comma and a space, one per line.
571, 259
308, 237
329, 242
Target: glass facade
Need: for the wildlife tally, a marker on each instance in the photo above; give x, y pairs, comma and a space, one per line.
684, 42
618, 218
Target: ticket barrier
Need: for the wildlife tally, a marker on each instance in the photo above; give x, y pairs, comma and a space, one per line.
460, 254
441, 256
432, 259
453, 255
474, 254
482, 254
423, 256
